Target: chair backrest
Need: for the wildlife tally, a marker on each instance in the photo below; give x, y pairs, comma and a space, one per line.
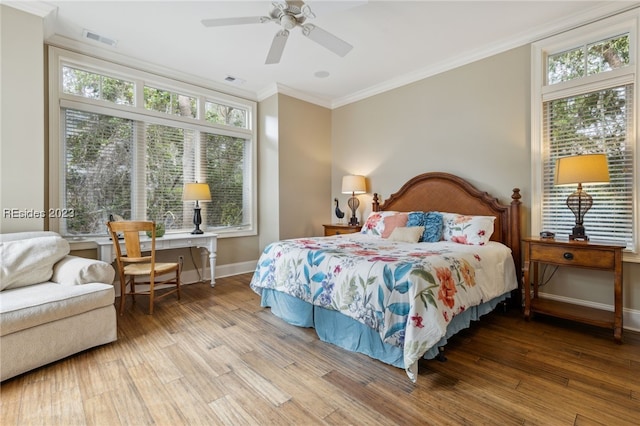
131, 230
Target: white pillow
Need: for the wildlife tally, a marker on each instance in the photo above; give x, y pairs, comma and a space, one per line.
30, 261
466, 229
408, 234
73, 270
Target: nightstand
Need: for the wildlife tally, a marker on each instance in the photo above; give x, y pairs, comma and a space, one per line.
338, 229
579, 254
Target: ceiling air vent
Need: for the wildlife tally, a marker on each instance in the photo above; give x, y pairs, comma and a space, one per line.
100, 39
234, 80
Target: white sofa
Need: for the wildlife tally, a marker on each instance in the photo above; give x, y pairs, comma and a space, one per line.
52, 305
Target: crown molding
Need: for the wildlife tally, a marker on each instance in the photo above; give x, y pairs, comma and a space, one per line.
37, 8
278, 88
526, 37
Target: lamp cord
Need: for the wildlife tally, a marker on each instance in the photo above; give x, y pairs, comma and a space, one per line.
544, 272
193, 261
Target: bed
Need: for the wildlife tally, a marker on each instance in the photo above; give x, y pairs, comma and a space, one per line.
435, 256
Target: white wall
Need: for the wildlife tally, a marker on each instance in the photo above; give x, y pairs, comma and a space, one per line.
22, 143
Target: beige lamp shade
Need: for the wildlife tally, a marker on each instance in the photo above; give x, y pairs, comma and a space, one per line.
588, 168
353, 184
196, 192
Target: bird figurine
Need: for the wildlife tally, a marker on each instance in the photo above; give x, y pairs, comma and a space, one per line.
339, 213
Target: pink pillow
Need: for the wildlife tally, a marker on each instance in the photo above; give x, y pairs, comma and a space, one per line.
374, 225
393, 222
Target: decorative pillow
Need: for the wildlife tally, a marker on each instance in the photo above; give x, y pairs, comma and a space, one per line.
464, 229
407, 234
374, 225
72, 270
415, 219
392, 222
30, 261
432, 223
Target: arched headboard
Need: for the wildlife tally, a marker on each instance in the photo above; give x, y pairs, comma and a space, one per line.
438, 191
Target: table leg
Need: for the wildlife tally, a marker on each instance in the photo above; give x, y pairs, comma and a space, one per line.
617, 299
527, 290
212, 264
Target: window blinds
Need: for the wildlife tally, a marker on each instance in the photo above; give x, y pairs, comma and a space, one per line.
595, 122
97, 169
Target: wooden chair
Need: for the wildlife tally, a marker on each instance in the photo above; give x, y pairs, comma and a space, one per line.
134, 264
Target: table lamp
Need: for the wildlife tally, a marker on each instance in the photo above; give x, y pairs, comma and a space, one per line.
353, 184
198, 192
579, 169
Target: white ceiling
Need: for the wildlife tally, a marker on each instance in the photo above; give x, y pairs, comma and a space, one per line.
395, 42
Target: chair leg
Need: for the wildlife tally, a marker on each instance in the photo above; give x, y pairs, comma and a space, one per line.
178, 282
151, 291
123, 293
132, 284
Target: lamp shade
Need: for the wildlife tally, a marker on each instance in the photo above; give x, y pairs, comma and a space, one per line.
196, 192
588, 168
353, 184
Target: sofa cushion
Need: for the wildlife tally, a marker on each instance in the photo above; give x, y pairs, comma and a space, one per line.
30, 306
30, 261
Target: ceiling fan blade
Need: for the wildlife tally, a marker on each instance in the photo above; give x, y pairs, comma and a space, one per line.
221, 22
326, 39
277, 47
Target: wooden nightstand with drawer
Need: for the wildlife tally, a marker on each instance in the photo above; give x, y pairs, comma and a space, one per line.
579, 254
338, 229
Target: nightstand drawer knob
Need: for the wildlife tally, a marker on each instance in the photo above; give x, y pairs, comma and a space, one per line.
568, 256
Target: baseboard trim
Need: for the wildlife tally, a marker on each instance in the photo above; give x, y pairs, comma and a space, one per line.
236, 268
193, 276
630, 317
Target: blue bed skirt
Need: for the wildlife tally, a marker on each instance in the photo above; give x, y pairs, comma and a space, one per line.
347, 333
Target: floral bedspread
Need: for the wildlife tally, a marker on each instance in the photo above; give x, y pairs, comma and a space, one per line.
407, 292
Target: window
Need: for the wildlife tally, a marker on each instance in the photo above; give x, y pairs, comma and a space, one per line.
128, 141
583, 102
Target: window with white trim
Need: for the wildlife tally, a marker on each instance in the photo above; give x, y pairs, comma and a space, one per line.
124, 142
583, 102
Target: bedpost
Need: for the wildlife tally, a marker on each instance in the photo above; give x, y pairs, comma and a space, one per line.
514, 232
375, 205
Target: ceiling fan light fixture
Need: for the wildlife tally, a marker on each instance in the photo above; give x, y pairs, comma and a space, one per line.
288, 22
287, 14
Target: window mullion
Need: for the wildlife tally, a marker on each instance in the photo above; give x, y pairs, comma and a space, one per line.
138, 177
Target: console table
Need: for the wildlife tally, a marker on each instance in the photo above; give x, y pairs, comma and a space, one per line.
205, 242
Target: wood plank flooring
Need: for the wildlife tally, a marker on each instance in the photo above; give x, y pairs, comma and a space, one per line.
217, 357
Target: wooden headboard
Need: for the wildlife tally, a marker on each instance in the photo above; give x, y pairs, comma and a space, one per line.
437, 191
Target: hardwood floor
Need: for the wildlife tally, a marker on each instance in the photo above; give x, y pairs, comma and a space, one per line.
216, 357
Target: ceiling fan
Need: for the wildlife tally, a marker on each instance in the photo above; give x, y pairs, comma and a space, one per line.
288, 14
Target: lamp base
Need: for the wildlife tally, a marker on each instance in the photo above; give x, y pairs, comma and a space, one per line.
353, 203
578, 237
197, 219
578, 234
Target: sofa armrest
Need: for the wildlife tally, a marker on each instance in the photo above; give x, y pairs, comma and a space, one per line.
74, 270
